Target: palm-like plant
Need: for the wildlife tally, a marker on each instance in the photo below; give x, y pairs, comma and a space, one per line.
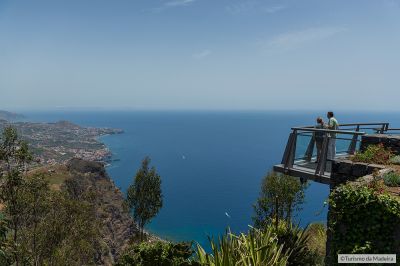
295, 242
256, 248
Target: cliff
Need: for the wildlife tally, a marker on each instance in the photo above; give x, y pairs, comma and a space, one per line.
86, 180
118, 226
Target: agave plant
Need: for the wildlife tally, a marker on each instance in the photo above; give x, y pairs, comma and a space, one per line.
256, 248
295, 242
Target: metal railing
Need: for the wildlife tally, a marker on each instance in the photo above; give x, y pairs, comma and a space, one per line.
347, 138
395, 131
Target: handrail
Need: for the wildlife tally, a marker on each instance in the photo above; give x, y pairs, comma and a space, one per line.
329, 131
356, 124
365, 124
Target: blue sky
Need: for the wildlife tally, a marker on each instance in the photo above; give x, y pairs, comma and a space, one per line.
200, 54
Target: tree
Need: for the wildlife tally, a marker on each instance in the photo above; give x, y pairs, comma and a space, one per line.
14, 157
280, 197
36, 194
144, 196
40, 226
5, 258
68, 233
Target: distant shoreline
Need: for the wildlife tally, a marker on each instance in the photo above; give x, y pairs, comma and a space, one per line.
58, 142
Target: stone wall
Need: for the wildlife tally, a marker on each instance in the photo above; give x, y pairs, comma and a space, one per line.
346, 170
389, 141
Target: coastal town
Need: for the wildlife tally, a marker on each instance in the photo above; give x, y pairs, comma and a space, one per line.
59, 142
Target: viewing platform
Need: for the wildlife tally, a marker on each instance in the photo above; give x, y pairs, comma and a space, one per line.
300, 156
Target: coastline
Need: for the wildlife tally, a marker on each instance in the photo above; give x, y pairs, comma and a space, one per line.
58, 142
151, 236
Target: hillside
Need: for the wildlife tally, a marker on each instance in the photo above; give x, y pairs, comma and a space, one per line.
10, 116
81, 178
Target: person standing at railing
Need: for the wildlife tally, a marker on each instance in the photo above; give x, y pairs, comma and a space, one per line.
332, 125
319, 137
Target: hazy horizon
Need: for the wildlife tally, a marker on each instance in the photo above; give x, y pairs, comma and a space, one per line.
317, 112
248, 55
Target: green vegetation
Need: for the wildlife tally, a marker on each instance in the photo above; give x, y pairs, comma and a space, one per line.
391, 179
280, 197
257, 247
144, 196
317, 239
4, 247
14, 155
376, 154
395, 160
363, 220
40, 226
295, 242
158, 253
283, 245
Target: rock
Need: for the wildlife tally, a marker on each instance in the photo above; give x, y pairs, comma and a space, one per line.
345, 167
389, 141
359, 169
373, 167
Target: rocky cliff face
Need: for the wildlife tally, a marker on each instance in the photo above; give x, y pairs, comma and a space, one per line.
89, 181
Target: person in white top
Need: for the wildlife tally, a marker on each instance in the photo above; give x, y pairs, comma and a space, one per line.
333, 125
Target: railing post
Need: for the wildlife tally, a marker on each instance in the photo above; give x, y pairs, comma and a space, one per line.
321, 166
384, 128
289, 155
310, 149
353, 143
287, 149
293, 150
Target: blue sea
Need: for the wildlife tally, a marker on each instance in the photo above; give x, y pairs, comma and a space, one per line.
211, 163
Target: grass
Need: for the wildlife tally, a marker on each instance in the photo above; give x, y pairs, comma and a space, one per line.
55, 175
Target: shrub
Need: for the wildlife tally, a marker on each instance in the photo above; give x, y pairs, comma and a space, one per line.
317, 238
295, 242
257, 248
391, 179
280, 198
158, 253
377, 154
362, 221
285, 244
395, 160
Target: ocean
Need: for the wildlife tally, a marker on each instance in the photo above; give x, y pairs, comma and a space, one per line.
211, 163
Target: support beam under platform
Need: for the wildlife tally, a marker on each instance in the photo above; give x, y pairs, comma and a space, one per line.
304, 172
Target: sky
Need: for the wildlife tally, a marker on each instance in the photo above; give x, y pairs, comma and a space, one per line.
200, 54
